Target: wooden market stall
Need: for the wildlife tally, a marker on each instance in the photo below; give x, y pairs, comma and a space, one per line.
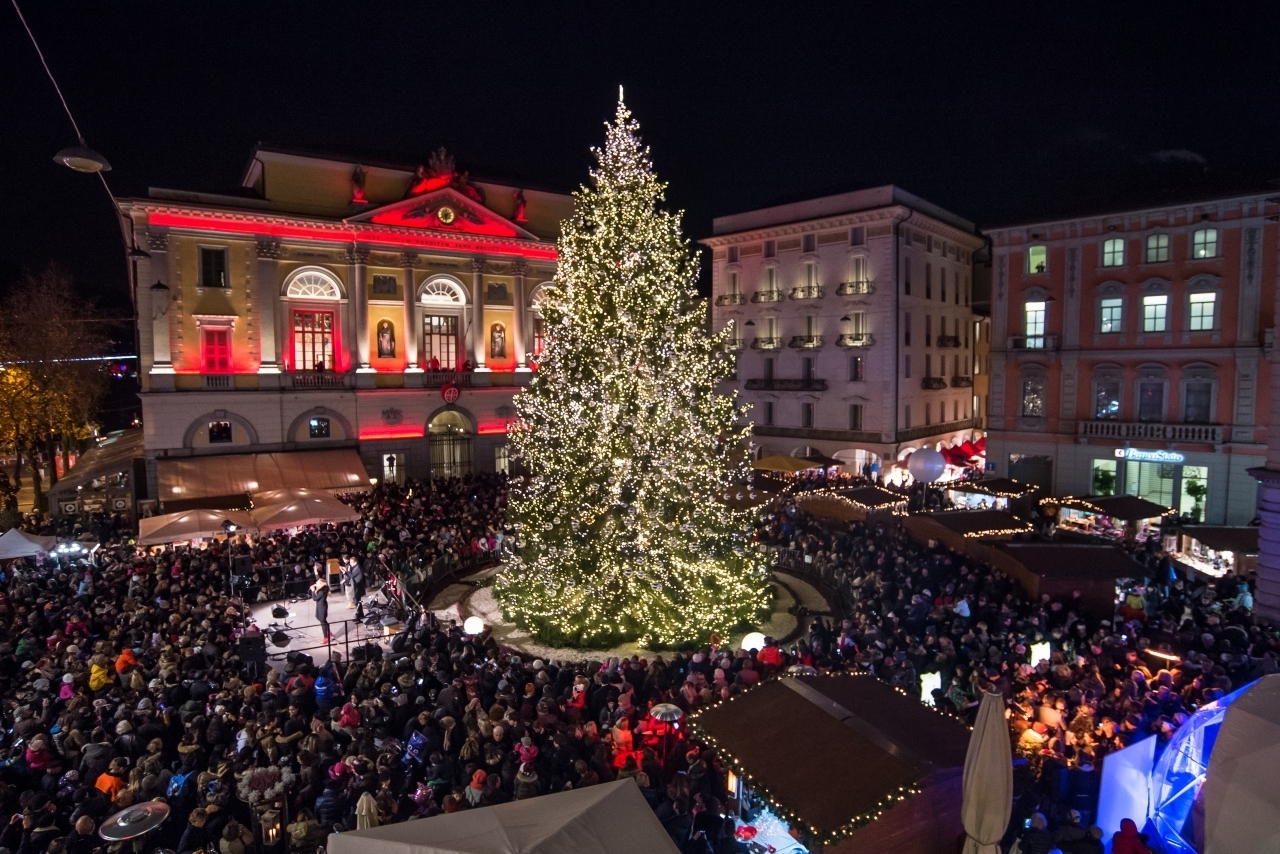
856, 504
958, 529
1060, 569
993, 493
1216, 551
852, 762
1115, 516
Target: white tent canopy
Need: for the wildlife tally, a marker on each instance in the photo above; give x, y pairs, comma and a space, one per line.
313, 509
15, 544
191, 525
611, 818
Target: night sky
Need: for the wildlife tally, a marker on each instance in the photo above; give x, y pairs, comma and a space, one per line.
1000, 113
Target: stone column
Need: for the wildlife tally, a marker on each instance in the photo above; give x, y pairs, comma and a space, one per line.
412, 326
1266, 602
359, 295
267, 283
161, 300
519, 267
477, 315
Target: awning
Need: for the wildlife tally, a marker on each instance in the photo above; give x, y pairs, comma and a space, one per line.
191, 525
16, 544
316, 508
237, 475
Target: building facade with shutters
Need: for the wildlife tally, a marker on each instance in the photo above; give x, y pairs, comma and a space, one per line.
1130, 353
853, 324
341, 304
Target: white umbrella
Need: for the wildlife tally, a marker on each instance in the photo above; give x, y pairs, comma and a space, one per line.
191, 525
988, 779
296, 513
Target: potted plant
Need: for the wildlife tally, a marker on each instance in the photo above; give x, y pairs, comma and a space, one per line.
1196, 489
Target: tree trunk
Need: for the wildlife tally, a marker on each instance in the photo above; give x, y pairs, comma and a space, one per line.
66, 454
17, 463
51, 454
36, 481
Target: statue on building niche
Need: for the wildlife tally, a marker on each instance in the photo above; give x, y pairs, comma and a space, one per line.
386, 339
497, 341
357, 186
520, 206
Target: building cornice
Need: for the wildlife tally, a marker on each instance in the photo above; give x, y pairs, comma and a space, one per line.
898, 213
1101, 220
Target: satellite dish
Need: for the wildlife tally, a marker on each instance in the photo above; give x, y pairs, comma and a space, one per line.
926, 465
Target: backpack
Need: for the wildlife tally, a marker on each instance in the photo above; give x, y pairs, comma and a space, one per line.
182, 789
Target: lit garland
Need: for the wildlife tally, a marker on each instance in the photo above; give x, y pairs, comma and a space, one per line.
1086, 505
698, 731
1020, 526
897, 505
627, 438
978, 487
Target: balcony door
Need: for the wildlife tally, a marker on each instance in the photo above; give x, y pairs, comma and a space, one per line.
440, 344
313, 340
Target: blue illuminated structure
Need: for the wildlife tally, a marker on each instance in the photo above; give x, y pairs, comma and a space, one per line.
1177, 812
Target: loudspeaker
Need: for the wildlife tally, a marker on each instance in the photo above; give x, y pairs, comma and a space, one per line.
253, 648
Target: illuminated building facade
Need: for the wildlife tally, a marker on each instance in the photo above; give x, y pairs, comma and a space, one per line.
1130, 353
854, 324
340, 304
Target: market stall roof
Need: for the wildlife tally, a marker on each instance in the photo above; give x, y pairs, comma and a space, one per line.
783, 463
817, 458
1129, 508
16, 544
997, 487
191, 525
1224, 539
114, 454
850, 504
194, 478
609, 818
854, 745
979, 523
314, 509
1074, 560
872, 497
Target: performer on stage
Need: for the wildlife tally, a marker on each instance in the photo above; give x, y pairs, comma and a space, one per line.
320, 593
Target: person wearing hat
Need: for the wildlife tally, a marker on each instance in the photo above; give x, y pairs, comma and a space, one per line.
526, 783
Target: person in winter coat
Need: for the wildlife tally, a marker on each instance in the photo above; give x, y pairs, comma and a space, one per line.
1035, 839
320, 593
235, 838
526, 783
1127, 841
331, 808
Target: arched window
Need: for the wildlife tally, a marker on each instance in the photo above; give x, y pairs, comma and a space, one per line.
443, 301
313, 284
442, 292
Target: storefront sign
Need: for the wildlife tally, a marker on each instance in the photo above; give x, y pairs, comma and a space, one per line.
1139, 455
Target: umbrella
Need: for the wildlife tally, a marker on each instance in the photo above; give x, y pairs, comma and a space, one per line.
783, 463
190, 525
297, 513
667, 712
988, 779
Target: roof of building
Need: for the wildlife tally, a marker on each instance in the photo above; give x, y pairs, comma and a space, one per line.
853, 745
1140, 203
884, 196
1074, 560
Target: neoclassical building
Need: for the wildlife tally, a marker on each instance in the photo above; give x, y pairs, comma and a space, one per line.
338, 304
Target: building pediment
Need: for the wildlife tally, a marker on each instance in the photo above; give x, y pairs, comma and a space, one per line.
445, 210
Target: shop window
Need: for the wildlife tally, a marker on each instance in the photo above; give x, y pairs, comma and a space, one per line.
855, 369
855, 416
1155, 313
1151, 400
1195, 489
213, 267
215, 350
1106, 398
313, 341
1201, 313
393, 468
1033, 397
319, 428
1112, 314
502, 459
1113, 252
219, 432
1198, 407
1204, 243
1038, 259
1034, 314
1152, 481
1104, 477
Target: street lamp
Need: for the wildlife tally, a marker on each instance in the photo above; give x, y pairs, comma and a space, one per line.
82, 158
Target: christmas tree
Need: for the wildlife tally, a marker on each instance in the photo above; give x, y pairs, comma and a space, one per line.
623, 528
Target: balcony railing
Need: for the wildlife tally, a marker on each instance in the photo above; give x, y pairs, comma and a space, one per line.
316, 379
948, 341
774, 384
856, 339
733, 345
933, 383
436, 379
856, 289
807, 292
1033, 342
768, 296
805, 342
731, 299
766, 343
217, 382
961, 382
1209, 434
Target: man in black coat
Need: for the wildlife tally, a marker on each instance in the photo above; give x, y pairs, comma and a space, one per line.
320, 593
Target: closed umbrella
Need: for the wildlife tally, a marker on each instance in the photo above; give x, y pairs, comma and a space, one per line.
988, 779
366, 812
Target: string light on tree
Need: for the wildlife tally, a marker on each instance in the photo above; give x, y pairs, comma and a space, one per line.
625, 436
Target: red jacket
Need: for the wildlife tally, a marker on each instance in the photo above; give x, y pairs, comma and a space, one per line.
1126, 841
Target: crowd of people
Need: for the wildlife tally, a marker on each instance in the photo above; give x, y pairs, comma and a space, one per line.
123, 682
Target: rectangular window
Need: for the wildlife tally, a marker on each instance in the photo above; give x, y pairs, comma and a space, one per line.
942, 285
810, 243
768, 413
1034, 313
1033, 397
928, 281
1104, 477
502, 459
1106, 398
1157, 248
771, 279
906, 416
928, 413
768, 370
1038, 259
1202, 306
1204, 243
385, 286
1151, 401
213, 267
539, 335
1199, 402
906, 276
906, 329
806, 415
810, 274
1111, 315
858, 236
855, 416
770, 249
906, 366
1155, 313
440, 342
855, 369
219, 431
928, 364
806, 368
215, 350
860, 268
1113, 252
928, 330
313, 341
318, 428
858, 323
733, 284
733, 255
